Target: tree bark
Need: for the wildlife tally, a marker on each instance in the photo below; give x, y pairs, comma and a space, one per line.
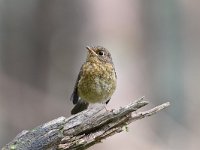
82, 130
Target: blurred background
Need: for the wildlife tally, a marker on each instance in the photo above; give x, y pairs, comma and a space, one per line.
155, 47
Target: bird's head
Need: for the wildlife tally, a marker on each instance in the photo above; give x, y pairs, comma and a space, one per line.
98, 53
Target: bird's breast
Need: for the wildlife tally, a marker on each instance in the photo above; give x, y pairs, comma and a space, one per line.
97, 83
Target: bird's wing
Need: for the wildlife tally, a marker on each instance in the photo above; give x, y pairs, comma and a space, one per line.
114, 71
75, 97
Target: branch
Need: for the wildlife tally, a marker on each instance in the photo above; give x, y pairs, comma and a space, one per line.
82, 130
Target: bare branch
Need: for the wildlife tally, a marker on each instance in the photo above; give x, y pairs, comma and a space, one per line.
82, 130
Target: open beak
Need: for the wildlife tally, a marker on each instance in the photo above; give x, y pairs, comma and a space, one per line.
90, 50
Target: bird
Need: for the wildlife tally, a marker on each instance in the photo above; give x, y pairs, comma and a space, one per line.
97, 80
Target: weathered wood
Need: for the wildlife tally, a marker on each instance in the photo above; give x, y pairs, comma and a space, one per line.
82, 130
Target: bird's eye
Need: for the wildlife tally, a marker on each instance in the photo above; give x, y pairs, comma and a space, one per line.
101, 53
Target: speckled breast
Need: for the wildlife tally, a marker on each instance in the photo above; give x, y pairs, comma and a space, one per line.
97, 83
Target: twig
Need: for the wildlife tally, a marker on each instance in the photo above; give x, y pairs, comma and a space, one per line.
82, 130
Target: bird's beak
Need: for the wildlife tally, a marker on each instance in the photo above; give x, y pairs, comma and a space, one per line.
90, 50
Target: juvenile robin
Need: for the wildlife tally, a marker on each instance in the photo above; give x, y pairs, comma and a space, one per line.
96, 81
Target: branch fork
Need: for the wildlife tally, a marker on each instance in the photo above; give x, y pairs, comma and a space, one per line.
82, 130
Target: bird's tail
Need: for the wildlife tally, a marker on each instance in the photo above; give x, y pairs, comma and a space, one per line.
80, 106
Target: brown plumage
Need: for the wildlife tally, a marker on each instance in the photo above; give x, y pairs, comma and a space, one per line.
96, 81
